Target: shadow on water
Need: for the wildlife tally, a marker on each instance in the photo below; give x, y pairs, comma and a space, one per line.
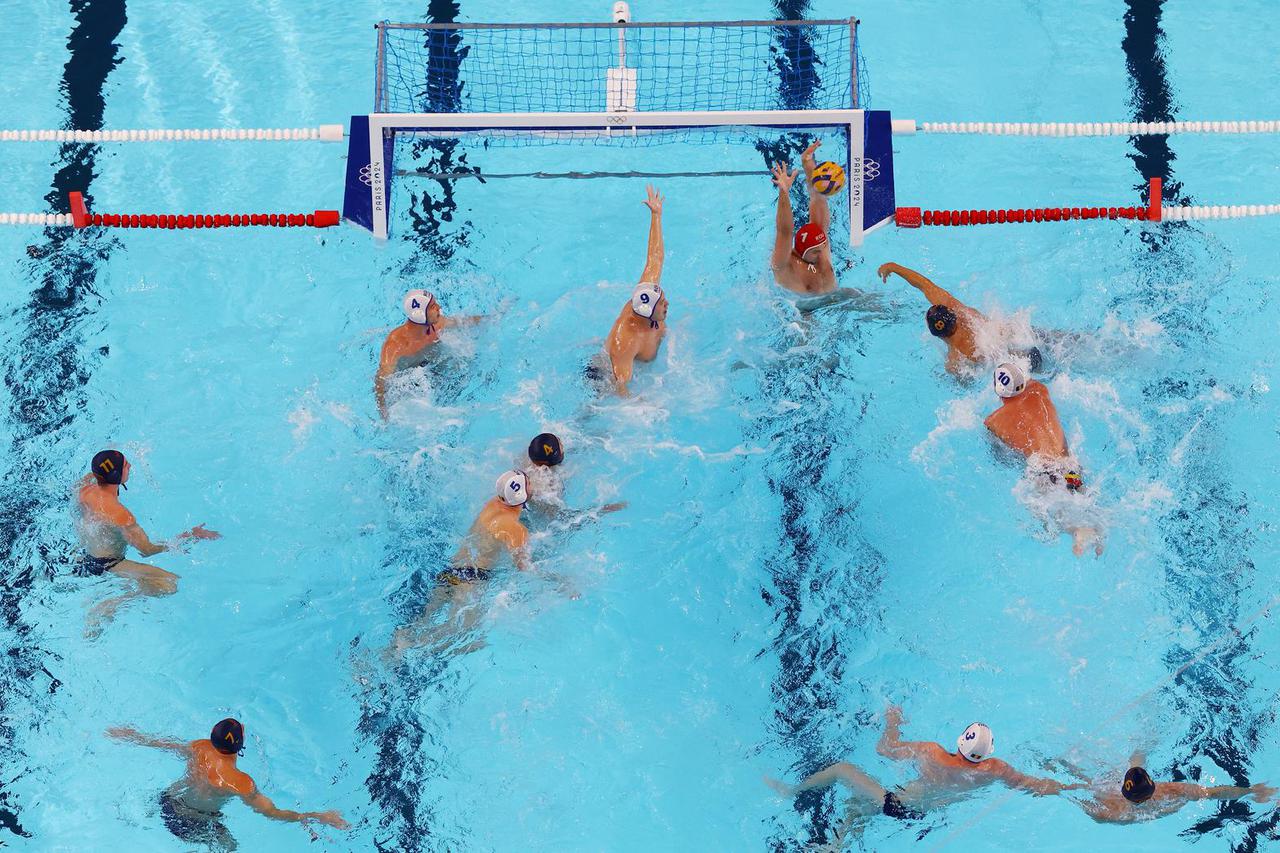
394, 717
1207, 534
434, 232
822, 560
45, 374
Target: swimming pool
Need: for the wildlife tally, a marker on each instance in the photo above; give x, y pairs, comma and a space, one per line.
816, 524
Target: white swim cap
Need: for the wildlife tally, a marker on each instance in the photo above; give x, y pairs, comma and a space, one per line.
1010, 380
644, 299
513, 487
416, 303
976, 744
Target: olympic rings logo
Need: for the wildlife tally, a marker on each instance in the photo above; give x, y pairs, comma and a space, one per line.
366, 175
870, 169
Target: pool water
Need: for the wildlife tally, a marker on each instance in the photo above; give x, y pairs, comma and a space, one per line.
817, 524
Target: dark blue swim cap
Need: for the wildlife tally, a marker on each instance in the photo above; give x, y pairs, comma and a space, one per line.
108, 467
227, 736
545, 449
941, 321
1137, 786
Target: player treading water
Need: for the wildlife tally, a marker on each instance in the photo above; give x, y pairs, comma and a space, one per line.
107, 529
802, 262
192, 807
408, 344
637, 333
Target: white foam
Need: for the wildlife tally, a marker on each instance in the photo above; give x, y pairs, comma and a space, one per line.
303, 419
1100, 397
1148, 495
960, 415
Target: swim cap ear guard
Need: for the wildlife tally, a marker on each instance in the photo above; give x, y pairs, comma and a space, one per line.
645, 299
545, 449
941, 321
513, 488
228, 737
108, 467
977, 743
1137, 786
416, 303
1009, 380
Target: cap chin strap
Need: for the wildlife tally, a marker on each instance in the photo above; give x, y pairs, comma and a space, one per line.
808, 264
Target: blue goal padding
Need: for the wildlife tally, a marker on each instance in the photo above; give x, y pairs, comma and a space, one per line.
357, 202
878, 203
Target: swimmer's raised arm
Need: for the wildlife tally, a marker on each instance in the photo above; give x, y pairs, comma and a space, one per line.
891, 744
654, 256
819, 211
132, 735
931, 291
784, 222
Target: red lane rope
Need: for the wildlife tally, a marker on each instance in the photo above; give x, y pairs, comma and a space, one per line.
82, 218
914, 217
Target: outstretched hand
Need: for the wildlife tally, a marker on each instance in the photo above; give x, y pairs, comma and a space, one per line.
886, 270
122, 733
330, 818
783, 179
893, 715
653, 201
1262, 793
808, 152
201, 532
782, 788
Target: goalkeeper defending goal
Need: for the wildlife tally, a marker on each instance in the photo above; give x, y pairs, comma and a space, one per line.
513, 95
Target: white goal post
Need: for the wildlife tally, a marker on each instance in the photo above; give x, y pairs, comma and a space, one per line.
869, 185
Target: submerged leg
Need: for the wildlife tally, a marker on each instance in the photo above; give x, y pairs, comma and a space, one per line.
148, 580
424, 630
1082, 538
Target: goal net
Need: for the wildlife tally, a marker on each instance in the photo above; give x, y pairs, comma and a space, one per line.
766, 85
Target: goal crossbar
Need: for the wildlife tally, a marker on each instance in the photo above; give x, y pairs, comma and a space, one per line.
869, 192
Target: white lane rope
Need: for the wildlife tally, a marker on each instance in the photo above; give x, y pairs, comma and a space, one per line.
37, 219
1084, 128
322, 133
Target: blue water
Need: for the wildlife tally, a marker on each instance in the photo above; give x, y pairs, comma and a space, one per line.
817, 524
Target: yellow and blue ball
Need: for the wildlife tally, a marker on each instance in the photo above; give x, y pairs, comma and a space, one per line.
828, 178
